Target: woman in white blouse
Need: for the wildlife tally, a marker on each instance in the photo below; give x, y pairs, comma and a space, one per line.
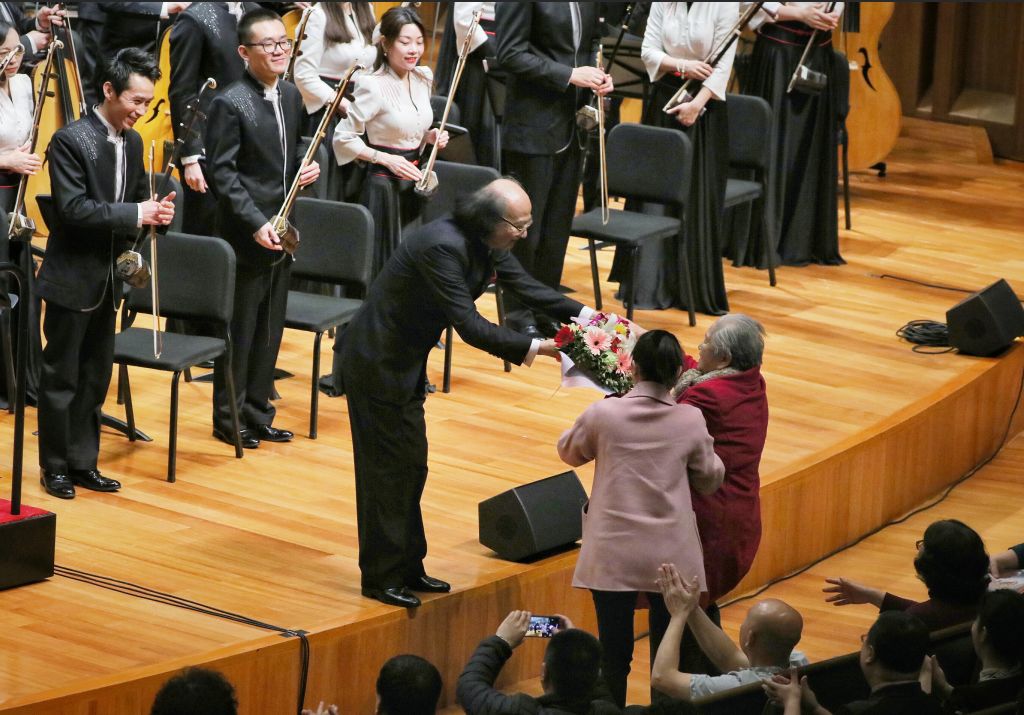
391, 107
16, 104
680, 36
337, 36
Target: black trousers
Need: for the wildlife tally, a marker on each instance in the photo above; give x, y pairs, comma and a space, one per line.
615, 631
90, 58
261, 296
552, 182
199, 211
389, 445
75, 375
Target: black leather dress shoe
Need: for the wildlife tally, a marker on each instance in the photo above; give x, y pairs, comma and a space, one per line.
57, 485
548, 327
249, 440
428, 584
266, 433
397, 596
92, 479
327, 385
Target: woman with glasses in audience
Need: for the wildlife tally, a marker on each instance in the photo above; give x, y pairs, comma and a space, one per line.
391, 107
337, 36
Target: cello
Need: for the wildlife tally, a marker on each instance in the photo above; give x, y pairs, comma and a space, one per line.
873, 123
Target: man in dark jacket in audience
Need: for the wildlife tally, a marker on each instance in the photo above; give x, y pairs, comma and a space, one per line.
570, 674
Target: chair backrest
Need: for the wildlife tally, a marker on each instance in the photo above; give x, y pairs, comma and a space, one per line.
336, 242
437, 103
318, 189
841, 86
179, 203
649, 164
954, 650
838, 680
196, 278
453, 181
750, 120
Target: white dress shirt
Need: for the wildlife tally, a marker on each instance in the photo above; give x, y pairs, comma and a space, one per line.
318, 59
392, 112
462, 16
116, 137
16, 112
693, 33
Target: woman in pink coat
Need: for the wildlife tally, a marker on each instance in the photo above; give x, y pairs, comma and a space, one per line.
648, 453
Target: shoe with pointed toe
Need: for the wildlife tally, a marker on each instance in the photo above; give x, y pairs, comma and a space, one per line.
396, 596
57, 484
266, 433
428, 584
92, 479
249, 440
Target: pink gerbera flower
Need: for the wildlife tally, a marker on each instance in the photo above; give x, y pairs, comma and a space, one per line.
625, 365
597, 340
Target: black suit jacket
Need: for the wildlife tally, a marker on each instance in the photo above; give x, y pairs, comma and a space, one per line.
204, 43
132, 24
894, 700
250, 177
430, 282
535, 49
91, 226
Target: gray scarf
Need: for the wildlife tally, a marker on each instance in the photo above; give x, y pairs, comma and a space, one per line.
694, 376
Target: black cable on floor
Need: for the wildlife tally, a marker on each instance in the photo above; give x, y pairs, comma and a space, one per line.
925, 334
131, 589
925, 284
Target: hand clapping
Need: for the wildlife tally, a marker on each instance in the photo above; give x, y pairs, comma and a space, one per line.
680, 596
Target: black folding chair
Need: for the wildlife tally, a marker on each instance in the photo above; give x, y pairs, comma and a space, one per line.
750, 121
336, 248
650, 165
197, 282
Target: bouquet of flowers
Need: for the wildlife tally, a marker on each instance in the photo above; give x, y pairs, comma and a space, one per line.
597, 353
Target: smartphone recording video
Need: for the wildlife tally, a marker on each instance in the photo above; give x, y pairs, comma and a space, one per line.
543, 626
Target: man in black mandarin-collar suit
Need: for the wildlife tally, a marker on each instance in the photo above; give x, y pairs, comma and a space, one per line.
547, 50
204, 43
431, 281
254, 153
100, 200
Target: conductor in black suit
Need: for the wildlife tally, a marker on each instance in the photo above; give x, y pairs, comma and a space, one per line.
548, 51
430, 282
254, 152
100, 199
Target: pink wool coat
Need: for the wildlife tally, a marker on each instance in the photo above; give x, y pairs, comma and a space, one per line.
648, 451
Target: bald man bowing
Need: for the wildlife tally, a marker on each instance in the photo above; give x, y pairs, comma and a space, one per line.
430, 282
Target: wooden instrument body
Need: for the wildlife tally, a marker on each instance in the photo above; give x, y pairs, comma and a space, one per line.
156, 125
873, 123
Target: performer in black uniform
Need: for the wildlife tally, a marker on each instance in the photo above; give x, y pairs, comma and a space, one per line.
100, 198
254, 151
547, 50
204, 43
804, 137
136, 24
430, 282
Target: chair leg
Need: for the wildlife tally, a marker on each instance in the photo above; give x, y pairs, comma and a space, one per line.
172, 448
314, 395
188, 374
121, 370
684, 256
769, 248
634, 270
235, 422
449, 338
129, 408
593, 273
499, 298
846, 181
8, 350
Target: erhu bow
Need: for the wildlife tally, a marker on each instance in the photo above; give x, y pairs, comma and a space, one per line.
682, 95
427, 184
158, 337
285, 231
602, 156
300, 35
22, 227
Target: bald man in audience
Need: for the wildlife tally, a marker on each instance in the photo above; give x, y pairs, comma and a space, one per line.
768, 636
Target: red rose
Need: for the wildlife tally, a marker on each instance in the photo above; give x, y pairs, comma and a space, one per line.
563, 337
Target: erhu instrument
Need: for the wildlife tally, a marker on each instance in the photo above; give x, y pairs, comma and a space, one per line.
300, 35
158, 337
21, 226
285, 231
682, 95
130, 266
804, 78
427, 184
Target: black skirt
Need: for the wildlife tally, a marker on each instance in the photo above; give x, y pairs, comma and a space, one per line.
661, 278
394, 205
804, 142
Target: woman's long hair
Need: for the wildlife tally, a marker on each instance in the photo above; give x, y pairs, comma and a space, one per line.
659, 357
391, 27
336, 31
953, 563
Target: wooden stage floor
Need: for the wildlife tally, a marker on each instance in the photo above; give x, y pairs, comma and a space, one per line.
272, 536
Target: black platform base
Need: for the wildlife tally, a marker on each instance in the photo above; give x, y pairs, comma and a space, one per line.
26, 545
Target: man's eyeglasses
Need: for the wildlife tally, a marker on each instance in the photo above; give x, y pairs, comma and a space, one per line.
270, 45
519, 229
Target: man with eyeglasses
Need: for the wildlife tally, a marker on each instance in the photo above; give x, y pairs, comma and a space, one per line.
254, 152
431, 281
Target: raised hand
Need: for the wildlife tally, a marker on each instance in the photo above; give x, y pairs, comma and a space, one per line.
513, 629
681, 597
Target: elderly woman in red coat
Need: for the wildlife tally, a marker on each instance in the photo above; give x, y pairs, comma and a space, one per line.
726, 385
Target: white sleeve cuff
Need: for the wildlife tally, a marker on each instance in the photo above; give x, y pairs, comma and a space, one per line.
163, 11
586, 313
189, 160
531, 353
138, 222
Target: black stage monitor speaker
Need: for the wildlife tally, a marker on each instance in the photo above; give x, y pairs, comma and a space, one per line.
986, 322
534, 518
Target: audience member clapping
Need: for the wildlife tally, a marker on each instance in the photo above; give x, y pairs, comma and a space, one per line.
570, 673
891, 655
196, 691
768, 635
1006, 562
998, 637
952, 562
406, 685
